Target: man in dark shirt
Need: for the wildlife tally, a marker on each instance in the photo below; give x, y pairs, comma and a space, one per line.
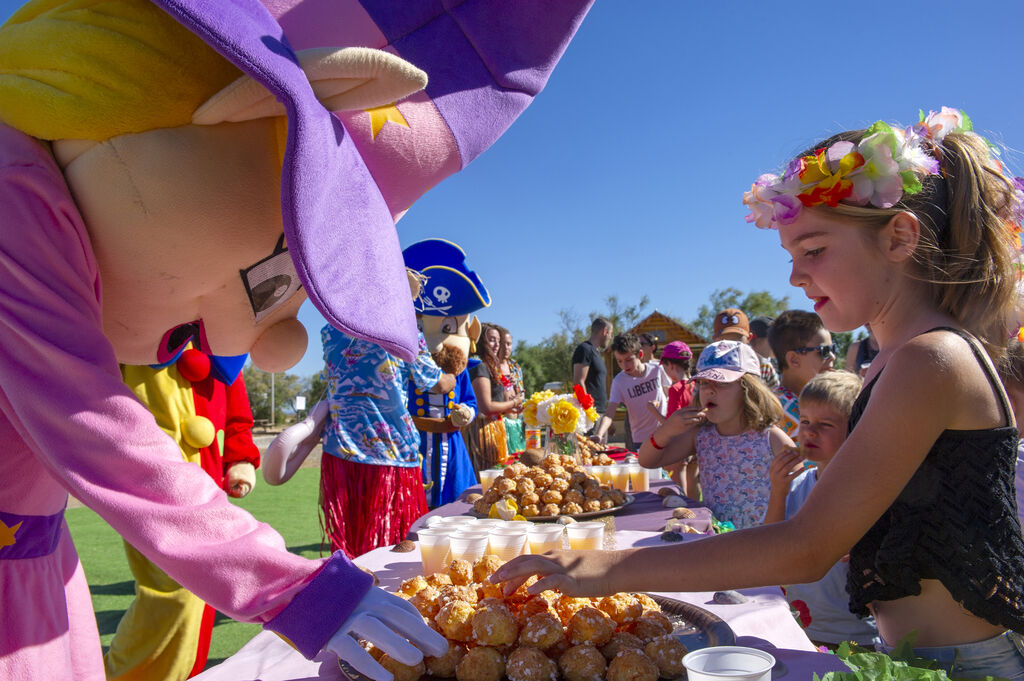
588, 367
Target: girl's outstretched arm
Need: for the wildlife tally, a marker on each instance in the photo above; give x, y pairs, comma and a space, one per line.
676, 439
923, 391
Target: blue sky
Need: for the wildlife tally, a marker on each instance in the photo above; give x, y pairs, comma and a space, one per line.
625, 175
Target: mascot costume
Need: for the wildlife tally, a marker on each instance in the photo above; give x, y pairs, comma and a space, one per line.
449, 293
371, 490
190, 171
201, 402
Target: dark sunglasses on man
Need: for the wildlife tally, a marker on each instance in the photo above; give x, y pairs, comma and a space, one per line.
823, 350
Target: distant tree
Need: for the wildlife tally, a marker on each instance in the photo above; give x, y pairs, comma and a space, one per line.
755, 304
315, 388
286, 387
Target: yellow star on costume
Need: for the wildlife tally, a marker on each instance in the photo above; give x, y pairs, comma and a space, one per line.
382, 114
7, 534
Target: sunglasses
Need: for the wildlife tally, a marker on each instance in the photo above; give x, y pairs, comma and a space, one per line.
823, 350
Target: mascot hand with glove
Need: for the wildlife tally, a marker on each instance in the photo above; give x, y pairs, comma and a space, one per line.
189, 171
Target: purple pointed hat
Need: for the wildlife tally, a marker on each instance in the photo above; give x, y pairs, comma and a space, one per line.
347, 176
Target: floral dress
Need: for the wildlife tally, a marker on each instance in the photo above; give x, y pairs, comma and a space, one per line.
515, 429
734, 474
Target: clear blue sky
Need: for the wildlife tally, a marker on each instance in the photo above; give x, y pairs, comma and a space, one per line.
625, 175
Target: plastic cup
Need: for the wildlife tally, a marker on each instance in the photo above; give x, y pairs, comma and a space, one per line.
544, 538
433, 521
729, 663
506, 543
620, 477
585, 536
603, 474
456, 520
484, 523
469, 546
639, 478
434, 544
518, 524
488, 477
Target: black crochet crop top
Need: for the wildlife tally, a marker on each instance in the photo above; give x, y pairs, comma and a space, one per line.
955, 521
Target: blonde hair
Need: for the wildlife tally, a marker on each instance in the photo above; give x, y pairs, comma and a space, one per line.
966, 249
761, 408
837, 389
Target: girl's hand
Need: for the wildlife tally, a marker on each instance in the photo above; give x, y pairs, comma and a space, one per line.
574, 573
784, 468
683, 420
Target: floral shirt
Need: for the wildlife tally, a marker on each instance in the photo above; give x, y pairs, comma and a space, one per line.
790, 410
734, 474
366, 390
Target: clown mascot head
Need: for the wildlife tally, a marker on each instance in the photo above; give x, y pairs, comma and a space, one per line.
189, 171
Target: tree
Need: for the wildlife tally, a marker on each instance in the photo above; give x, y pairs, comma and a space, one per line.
755, 304
286, 387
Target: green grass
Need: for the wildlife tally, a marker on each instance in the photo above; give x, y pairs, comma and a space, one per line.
291, 509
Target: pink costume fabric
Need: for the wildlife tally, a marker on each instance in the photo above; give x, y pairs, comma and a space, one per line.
166, 507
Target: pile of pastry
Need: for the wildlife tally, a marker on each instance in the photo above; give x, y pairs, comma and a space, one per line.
545, 637
591, 452
558, 486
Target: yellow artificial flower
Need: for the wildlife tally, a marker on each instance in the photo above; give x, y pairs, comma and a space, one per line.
503, 508
530, 412
593, 415
564, 416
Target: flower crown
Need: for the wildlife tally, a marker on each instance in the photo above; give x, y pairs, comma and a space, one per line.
886, 164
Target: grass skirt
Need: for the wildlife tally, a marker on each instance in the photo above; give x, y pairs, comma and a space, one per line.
365, 506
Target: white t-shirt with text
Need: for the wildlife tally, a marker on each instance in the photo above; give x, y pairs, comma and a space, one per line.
635, 393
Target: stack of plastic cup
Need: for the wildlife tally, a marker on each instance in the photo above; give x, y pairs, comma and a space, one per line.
434, 544
488, 477
585, 536
468, 544
620, 477
519, 524
484, 523
639, 478
456, 521
507, 542
544, 538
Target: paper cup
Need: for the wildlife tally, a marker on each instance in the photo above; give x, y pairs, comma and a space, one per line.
585, 536
639, 478
469, 546
506, 544
729, 663
544, 538
488, 477
434, 544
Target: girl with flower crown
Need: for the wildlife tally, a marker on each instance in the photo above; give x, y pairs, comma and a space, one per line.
914, 231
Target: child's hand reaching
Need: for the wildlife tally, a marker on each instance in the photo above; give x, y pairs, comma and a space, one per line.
574, 573
784, 468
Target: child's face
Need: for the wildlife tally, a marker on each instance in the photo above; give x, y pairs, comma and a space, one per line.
822, 430
839, 266
675, 372
631, 363
723, 401
809, 362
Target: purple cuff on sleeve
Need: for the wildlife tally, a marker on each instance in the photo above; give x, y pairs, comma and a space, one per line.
319, 610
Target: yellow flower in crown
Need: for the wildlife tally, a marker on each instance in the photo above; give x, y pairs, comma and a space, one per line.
829, 186
564, 417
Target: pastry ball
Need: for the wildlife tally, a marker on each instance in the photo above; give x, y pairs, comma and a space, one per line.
592, 492
455, 620
426, 601
481, 664
530, 664
450, 593
530, 498
559, 485
542, 480
620, 640
590, 625
622, 607
578, 477
482, 506
591, 505
651, 625
567, 606
618, 496
632, 665
667, 652
530, 510
535, 606
439, 579
551, 460
485, 567
444, 667
571, 508
515, 470
525, 486
542, 630
402, 672
573, 497
549, 510
606, 504
582, 663
503, 486
495, 626
648, 603
487, 590
460, 571
551, 496
413, 585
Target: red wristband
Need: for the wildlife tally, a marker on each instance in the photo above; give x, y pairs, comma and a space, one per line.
655, 444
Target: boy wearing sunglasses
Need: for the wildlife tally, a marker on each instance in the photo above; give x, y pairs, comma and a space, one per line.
803, 349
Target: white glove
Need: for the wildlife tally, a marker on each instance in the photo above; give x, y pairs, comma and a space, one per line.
240, 479
289, 449
391, 624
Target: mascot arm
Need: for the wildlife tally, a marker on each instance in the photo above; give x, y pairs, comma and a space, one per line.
63, 394
465, 394
238, 422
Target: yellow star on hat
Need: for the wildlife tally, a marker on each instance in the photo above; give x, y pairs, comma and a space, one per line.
382, 114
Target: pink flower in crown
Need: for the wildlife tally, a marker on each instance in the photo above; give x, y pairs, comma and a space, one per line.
768, 204
912, 156
941, 123
879, 181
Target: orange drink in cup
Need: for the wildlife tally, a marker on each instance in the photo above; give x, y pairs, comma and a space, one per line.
434, 543
585, 536
620, 476
544, 538
487, 478
639, 478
